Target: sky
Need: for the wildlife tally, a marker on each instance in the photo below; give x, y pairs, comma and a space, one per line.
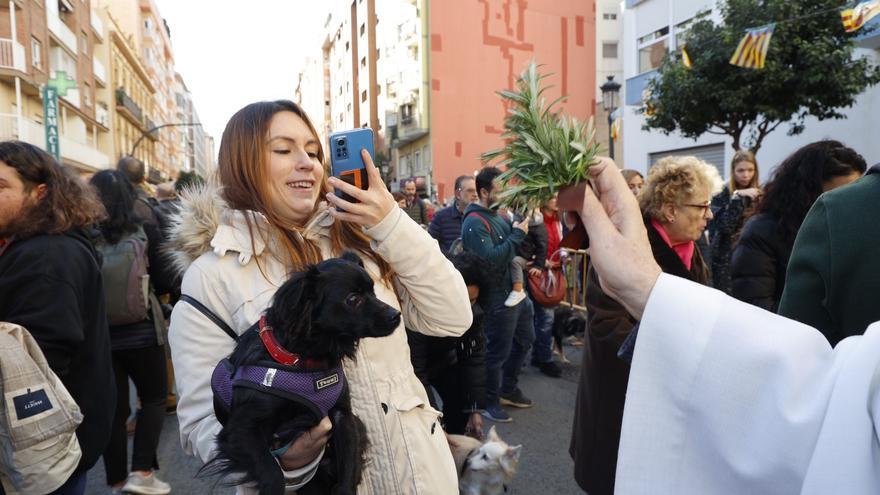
231, 53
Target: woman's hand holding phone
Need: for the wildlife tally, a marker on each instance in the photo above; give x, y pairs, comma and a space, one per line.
374, 203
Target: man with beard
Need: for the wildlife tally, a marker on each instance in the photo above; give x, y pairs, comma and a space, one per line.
509, 330
50, 284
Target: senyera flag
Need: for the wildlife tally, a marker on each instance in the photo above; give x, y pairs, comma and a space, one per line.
858, 16
752, 50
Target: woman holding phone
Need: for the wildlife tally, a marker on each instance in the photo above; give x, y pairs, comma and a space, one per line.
273, 214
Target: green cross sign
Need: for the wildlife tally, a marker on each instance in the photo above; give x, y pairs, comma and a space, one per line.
62, 83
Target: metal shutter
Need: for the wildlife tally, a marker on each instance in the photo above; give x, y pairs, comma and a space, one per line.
712, 154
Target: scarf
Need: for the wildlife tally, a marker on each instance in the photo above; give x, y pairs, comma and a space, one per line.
684, 250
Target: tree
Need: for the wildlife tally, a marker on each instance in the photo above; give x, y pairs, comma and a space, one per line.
810, 71
187, 180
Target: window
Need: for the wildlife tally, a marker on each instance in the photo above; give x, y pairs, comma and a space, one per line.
609, 17
363, 28
417, 162
36, 53
84, 42
364, 95
363, 61
346, 46
87, 95
609, 49
652, 49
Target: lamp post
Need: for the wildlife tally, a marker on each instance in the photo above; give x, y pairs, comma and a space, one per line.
609, 102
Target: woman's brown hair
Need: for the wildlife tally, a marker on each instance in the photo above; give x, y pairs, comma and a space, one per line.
739, 157
242, 168
68, 203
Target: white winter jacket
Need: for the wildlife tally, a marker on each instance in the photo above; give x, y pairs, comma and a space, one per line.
408, 452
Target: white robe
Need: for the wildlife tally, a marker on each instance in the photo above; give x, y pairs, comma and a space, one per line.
727, 398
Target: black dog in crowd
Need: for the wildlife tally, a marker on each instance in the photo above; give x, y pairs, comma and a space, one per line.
315, 320
567, 322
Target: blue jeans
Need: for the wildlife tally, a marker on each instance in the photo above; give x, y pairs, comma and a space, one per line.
543, 349
509, 335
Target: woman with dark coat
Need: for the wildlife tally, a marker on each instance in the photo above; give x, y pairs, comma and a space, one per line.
760, 258
456, 366
138, 352
675, 202
731, 208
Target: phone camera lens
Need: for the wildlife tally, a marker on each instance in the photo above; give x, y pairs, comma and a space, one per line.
340, 142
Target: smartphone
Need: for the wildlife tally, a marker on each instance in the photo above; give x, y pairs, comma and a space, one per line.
346, 162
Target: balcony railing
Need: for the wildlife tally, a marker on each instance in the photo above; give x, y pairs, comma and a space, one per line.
8, 126
124, 102
11, 55
149, 124
61, 31
33, 132
100, 72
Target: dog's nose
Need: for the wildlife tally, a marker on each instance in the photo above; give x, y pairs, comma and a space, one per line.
393, 317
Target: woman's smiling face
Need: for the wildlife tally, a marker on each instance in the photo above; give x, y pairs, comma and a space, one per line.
295, 173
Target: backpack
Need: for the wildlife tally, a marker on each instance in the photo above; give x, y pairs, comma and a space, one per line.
457, 247
38, 418
126, 280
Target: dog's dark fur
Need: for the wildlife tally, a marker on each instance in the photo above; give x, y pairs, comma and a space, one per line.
567, 322
320, 313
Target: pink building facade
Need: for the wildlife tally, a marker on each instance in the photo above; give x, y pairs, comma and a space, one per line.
478, 47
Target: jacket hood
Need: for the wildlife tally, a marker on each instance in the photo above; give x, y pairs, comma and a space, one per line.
204, 223
477, 207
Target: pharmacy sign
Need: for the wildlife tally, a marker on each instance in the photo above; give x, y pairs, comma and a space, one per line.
57, 86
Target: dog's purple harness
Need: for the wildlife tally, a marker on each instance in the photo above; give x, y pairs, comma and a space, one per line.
318, 390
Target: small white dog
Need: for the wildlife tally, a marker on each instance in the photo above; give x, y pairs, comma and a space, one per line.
484, 468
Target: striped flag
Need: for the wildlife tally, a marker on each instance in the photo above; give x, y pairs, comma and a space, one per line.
858, 16
685, 58
752, 50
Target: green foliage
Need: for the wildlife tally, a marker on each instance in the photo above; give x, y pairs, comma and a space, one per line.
186, 180
810, 71
544, 150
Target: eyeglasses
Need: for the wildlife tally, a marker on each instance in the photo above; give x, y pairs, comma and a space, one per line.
704, 207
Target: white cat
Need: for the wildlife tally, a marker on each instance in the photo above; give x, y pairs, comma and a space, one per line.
484, 468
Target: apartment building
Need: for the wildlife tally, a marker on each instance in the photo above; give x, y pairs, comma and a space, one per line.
651, 28
53, 39
197, 145
609, 63
424, 74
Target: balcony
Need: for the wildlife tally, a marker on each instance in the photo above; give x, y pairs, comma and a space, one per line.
128, 107
72, 151
635, 87
12, 55
102, 114
100, 72
149, 124
870, 37
60, 30
97, 25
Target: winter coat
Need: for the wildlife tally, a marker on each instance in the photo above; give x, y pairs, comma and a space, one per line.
602, 388
51, 285
534, 247
497, 245
418, 211
433, 357
408, 452
446, 226
833, 277
759, 261
728, 218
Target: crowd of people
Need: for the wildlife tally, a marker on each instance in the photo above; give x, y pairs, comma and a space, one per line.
92, 270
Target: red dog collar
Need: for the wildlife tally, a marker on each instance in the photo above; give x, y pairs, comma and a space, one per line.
280, 354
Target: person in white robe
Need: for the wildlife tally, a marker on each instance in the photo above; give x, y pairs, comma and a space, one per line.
724, 397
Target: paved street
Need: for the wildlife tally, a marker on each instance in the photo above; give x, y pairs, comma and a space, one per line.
544, 431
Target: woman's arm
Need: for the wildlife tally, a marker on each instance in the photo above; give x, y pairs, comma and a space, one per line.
433, 297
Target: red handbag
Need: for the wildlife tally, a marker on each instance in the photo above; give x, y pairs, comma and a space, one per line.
548, 288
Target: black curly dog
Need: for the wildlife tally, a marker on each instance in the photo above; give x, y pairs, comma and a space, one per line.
318, 316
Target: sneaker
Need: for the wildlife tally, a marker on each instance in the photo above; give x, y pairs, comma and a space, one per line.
516, 399
550, 369
515, 297
145, 485
496, 414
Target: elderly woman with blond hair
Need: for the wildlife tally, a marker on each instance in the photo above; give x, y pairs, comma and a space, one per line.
675, 203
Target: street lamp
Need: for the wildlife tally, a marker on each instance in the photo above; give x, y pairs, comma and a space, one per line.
150, 131
609, 102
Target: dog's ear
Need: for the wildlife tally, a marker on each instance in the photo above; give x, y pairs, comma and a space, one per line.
352, 257
510, 459
292, 300
493, 436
